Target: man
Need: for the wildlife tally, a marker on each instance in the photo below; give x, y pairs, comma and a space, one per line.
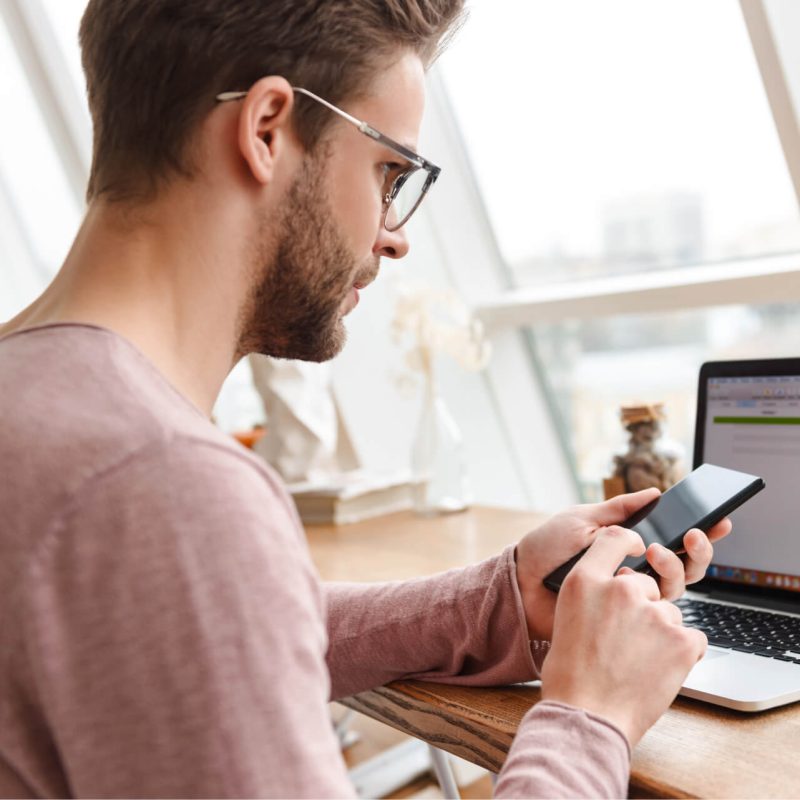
163, 629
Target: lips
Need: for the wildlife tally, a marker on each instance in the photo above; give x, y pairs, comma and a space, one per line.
362, 281
366, 278
365, 281
350, 302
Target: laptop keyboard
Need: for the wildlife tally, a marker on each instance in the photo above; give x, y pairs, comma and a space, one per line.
747, 630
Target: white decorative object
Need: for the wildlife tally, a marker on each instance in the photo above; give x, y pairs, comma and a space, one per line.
437, 459
306, 437
437, 322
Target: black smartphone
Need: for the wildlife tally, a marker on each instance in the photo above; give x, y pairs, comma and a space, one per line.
700, 500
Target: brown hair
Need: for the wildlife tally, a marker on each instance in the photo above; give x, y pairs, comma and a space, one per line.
154, 67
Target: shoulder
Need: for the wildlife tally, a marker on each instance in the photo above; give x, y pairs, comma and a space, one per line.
189, 483
102, 405
184, 528
178, 511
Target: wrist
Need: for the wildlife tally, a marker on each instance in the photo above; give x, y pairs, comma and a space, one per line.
600, 711
538, 608
525, 589
596, 720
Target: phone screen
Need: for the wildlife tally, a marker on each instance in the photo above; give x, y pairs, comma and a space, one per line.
689, 504
700, 500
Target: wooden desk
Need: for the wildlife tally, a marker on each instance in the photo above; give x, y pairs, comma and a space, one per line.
695, 750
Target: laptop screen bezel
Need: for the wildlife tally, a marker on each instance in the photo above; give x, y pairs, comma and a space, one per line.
756, 368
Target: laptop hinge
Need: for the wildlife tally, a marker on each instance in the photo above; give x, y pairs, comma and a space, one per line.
744, 599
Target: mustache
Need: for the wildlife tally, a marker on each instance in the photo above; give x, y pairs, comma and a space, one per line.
369, 274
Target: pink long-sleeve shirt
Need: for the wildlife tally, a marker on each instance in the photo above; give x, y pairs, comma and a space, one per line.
163, 632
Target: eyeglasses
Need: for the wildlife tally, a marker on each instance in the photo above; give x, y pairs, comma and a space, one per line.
401, 196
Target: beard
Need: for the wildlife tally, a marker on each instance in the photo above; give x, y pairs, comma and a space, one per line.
294, 308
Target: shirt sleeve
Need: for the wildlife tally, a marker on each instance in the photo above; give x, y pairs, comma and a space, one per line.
176, 636
465, 626
563, 751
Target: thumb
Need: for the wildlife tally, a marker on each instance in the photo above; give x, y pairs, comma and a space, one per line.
609, 550
619, 508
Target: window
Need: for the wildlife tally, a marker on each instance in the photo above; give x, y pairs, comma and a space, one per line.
65, 17
595, 366
625, 148
39, 212
616, 137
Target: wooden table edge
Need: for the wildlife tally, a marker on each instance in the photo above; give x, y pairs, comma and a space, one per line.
418, 709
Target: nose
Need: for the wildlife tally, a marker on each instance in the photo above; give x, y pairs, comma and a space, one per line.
392, 244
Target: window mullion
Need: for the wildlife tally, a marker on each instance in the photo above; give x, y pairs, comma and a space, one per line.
762, 27
771, 279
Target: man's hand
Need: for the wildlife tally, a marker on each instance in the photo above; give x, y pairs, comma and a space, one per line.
569, 532
619, 650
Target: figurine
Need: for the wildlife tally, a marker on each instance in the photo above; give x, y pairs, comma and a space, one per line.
646, 462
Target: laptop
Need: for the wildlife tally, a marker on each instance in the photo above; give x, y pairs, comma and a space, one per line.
748, 418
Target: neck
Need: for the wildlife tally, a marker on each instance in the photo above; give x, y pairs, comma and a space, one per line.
166, 278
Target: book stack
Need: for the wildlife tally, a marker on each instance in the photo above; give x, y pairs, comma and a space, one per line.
352, 497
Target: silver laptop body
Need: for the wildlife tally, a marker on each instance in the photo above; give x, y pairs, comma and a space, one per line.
748, 418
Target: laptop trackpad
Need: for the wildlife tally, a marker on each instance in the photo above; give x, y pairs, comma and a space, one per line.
712, 654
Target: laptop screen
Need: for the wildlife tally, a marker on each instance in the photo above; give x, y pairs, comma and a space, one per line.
752, 423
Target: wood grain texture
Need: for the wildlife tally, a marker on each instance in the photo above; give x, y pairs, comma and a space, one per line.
464, 724
694, 750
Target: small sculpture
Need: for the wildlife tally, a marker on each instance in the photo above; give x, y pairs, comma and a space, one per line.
308, 439
647, 461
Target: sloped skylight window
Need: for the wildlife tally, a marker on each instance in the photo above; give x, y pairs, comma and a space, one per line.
619, 136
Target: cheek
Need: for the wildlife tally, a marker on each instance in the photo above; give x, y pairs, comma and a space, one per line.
358, 207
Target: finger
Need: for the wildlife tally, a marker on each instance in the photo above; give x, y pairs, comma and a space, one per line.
720, 530
700, 641
646, 584
619, 508
699, 553
609, 549
669, 567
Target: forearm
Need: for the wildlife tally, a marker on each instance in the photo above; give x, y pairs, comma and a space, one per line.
464, 626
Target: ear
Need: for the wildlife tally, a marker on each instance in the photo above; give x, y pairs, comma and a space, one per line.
264, 129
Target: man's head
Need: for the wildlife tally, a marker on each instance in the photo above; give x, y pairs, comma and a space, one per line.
311, 182
154, 67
